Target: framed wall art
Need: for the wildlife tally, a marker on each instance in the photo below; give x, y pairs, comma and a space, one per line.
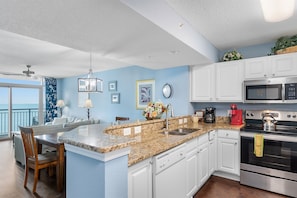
145, 93
112, 86
115, 98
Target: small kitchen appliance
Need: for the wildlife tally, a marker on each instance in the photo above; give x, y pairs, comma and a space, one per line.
235, 115
209, 116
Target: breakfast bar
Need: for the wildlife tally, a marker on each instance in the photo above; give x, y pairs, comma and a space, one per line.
96, 163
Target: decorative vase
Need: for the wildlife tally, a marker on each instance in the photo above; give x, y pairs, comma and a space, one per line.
154, 118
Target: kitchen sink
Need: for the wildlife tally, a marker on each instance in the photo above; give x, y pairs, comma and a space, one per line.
182, 131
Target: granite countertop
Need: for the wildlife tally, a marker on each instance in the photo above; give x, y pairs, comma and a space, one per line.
144, 149
93, 138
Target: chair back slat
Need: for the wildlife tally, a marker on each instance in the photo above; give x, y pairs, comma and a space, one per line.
30, 146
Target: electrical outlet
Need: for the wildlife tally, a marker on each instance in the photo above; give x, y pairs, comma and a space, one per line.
127, 131
137, 129
180, 121
185, 120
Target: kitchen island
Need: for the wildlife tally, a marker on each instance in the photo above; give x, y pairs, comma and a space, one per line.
96, 163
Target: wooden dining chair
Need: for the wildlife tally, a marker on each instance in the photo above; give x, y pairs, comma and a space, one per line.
32, 158
121, 118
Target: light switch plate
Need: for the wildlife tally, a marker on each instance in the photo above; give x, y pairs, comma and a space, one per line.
180, 121
137, 129
127, 131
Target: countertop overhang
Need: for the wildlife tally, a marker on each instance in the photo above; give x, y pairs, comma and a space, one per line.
93, 138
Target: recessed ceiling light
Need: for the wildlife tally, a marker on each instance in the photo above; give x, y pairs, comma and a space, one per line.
180, 25
174, 52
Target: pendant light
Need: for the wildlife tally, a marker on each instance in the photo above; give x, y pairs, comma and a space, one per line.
91, 83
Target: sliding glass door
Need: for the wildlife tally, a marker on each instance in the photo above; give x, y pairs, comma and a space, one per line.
24, 107
4, 116
20, 105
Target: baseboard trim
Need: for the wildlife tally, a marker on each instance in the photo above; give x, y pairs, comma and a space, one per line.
226, 175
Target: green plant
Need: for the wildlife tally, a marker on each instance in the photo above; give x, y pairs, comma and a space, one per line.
284, 42
232, 55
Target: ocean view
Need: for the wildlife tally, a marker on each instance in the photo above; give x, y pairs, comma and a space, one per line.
22, 115
19, 106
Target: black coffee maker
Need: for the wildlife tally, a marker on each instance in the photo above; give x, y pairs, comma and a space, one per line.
210, 116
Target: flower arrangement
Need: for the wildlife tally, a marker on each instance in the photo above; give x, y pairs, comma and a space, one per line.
232, 55
154, 110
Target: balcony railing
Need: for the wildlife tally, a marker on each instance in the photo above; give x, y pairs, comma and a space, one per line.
20, 117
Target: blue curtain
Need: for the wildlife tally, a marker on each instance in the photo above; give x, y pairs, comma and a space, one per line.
50, 99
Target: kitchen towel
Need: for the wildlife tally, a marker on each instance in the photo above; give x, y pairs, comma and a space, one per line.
258, 145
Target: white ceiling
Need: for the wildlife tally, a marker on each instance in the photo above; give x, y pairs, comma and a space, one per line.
57, 36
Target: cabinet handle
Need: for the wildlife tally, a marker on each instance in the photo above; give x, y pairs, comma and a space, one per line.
273, 74
265, 75
227, 134
235, 143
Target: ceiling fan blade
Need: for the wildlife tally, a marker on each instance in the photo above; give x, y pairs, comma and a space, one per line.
10, 74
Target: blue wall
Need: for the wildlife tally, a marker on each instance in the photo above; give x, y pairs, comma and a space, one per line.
252, 51
126, 79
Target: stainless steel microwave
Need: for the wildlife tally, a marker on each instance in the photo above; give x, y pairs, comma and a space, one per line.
272, 90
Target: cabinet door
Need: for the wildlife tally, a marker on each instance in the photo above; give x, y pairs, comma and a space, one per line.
284, 65
203, 163
229, 78
228, 155
256, 68
202, 83
212, 162
140, 180
192, 173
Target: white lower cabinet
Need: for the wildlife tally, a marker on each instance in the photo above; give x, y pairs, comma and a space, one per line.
216, 150
140, 180
228, 151
203, 159
212, 150
192, 184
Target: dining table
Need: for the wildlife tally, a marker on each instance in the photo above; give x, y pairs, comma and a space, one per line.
52, 141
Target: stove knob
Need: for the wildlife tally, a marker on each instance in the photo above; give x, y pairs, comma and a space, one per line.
288, 116
294, 116
247, 114
252, 114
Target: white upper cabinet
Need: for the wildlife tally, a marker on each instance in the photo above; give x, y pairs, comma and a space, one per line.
202, 83
256, 68
217, 82
284, 65
229, 78
271, 66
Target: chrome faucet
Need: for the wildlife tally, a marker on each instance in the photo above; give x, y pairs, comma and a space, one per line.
169, 106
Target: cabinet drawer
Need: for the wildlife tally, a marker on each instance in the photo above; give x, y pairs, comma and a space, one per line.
203, 139
228, 134
192, 144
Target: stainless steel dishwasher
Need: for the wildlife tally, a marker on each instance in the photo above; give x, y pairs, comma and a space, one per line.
169, 178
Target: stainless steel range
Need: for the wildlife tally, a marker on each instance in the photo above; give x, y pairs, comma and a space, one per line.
276, 170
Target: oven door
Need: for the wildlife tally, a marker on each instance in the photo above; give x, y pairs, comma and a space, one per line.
276, 170
279, 152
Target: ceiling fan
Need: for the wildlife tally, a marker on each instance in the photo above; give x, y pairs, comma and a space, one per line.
26, 73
